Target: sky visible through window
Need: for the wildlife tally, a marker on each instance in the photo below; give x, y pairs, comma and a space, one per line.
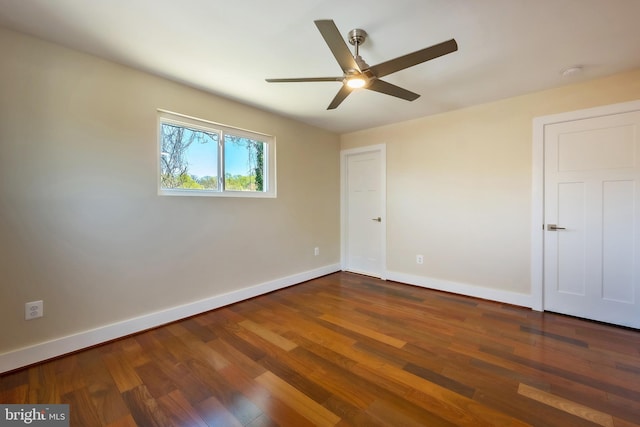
202, 159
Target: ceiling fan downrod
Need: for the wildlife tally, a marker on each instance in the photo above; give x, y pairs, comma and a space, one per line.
356, 38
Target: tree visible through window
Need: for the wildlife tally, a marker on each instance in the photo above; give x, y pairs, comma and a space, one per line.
247, 156
189, 158
195, 158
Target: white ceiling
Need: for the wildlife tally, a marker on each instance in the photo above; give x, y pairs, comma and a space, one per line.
506, 47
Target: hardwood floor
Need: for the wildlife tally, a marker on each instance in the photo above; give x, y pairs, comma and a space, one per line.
349, 350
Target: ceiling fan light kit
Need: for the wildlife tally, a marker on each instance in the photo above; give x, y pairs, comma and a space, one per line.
358, 74
355, 82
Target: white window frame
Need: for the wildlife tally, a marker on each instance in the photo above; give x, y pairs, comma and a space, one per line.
269, 175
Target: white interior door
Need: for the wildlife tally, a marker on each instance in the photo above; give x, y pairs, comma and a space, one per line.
364, 211
592, 218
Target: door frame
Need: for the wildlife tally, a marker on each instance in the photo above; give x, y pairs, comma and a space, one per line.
537, 203
382, 149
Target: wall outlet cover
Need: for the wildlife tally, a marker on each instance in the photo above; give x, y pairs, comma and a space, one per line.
33, 310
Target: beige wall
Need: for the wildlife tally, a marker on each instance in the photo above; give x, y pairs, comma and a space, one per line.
459, 184
81, 224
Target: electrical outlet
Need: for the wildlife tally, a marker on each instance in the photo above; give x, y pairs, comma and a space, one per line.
316, 251
33, 310
419, 259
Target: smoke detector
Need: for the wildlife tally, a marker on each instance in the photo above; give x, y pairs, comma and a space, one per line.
572, 72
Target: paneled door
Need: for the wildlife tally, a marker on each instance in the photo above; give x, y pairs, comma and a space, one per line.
592, 218
363, 211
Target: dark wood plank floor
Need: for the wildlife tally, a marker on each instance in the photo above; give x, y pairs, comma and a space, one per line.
350, 350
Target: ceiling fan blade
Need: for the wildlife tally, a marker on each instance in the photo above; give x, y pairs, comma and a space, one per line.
337, 45
340, 96
391, 89
415, 58
306, 79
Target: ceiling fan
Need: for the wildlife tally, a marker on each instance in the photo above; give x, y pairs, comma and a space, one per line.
358, 74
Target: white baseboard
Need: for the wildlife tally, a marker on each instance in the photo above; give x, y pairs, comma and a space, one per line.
57, 347
514, 298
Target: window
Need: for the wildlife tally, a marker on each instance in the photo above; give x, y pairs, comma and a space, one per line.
201, 158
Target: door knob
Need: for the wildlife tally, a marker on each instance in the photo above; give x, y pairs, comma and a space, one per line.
553, 227
376, 219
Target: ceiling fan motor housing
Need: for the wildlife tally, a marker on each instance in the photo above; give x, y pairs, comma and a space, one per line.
357, 36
